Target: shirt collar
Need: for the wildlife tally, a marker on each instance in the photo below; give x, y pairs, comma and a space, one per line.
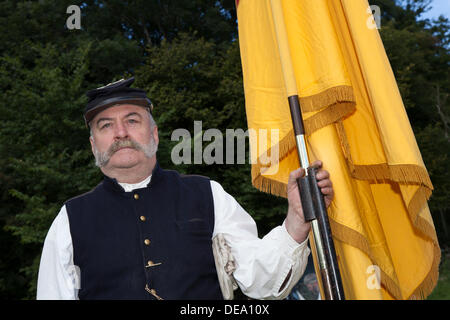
151, 180
128, 187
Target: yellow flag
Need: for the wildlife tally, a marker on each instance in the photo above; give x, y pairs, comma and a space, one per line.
356, 123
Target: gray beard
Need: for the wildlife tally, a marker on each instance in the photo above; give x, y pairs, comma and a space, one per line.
102, 158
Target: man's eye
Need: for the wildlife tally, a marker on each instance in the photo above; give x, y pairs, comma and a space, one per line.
106, 125
132, 121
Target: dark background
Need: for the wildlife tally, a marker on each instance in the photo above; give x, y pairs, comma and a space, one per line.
185, 54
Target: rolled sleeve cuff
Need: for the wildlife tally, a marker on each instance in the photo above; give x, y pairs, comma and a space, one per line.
290, 242
297, 259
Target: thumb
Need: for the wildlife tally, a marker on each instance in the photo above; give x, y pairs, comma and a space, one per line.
294, 175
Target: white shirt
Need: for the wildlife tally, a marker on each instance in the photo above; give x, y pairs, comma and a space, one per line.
262, 265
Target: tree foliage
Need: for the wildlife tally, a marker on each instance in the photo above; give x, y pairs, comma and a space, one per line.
185, 54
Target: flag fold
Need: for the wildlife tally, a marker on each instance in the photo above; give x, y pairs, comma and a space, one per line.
356, 123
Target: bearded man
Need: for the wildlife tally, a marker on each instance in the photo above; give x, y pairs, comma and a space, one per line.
149, 233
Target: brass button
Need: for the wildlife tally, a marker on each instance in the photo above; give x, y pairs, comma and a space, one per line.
150, 263
153, 292
136, 196
147, 242
142, 218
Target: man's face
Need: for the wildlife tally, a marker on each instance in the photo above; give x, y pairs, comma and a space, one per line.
313, 287
122, 137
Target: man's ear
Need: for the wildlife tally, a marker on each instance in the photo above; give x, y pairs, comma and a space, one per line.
155, 134
91, 140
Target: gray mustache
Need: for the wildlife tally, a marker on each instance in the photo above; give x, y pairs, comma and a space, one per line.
102, 158
123, 144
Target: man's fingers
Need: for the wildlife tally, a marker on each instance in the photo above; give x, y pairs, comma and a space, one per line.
322, 175
294, 175
316, 164
324, 183
327, 191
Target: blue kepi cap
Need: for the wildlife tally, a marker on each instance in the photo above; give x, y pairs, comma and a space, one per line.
112, 94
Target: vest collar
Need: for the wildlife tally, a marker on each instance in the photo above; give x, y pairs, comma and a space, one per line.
113, 185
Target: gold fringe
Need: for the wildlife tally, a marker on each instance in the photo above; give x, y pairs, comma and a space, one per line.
401, 173
357, 240
410, 173
267, 185
415, 205
333, 113
326, 98
329, 115
286, 145
427, 230
377, 172
429, 282
344, 144
325, 117
407, 174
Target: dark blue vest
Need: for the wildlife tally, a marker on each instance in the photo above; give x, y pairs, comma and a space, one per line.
158, 236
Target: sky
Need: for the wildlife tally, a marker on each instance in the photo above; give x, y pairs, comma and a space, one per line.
438, 7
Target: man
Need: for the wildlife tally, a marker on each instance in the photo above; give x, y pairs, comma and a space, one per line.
310, 289
147, 233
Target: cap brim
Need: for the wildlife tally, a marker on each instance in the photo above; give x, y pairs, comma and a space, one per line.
143, 102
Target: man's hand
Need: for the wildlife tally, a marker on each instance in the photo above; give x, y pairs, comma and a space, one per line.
295, 223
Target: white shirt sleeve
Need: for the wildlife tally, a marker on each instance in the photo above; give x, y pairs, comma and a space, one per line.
262, 265
58, 277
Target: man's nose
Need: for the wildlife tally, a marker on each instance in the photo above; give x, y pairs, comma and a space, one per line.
121, 131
